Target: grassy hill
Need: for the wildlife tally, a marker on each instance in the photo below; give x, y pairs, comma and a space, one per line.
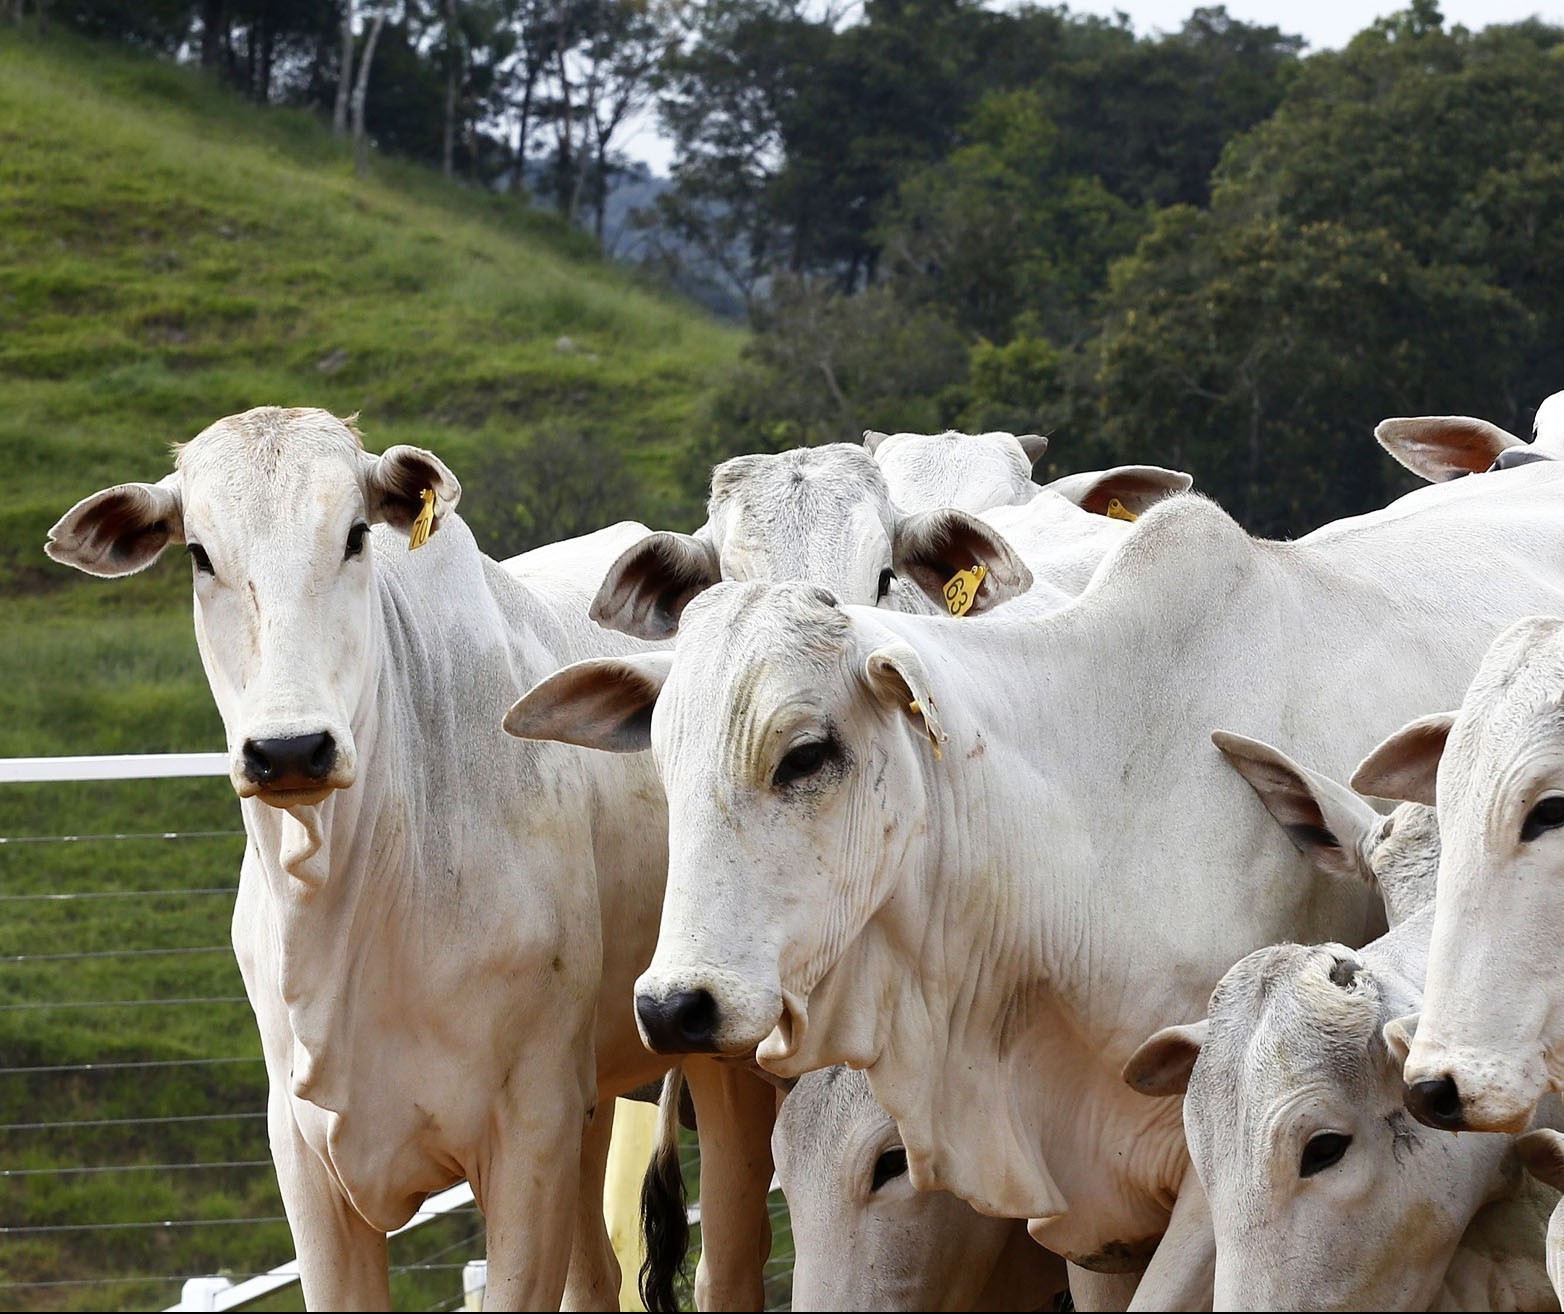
170, 255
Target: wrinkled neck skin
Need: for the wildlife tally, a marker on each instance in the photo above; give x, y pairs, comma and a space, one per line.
968, 914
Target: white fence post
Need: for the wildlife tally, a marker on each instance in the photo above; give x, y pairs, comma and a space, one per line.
475, 1276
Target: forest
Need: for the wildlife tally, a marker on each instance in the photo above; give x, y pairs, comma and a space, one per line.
1209, 248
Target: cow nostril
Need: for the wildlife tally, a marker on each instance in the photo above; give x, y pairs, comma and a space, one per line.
1437, 1102
683, 1023
257, 766
293, 762
323, 757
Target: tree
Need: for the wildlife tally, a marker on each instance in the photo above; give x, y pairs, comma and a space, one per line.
361, 92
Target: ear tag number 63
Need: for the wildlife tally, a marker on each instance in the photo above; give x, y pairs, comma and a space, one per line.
962, 588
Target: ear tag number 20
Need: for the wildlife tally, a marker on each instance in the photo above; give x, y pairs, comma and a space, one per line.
962, 588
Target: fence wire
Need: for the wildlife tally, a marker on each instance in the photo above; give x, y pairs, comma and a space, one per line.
164, 1093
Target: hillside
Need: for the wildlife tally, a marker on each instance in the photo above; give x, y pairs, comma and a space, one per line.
168, 255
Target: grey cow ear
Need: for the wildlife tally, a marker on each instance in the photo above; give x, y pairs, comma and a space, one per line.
395, 483
1406, 765
1326, 822
1542, 1151
120, 530
930, 547
1441, 447
604, 703
872, 438
1162, 1065
1035, 445
647, 589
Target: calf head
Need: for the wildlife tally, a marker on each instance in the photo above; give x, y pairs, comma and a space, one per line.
862, 1236
274, 508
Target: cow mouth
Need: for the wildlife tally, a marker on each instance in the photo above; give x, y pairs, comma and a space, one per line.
786, 1037
286, 795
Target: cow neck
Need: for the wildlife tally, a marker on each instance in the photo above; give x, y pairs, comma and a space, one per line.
1015, 977
345, 878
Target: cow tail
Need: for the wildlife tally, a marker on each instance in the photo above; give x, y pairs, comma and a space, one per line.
665, 1221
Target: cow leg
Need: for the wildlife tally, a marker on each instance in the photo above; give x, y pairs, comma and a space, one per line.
528, 1185
593, 1283
342, 1259
734, 1111
1182, 1272
1090, 1289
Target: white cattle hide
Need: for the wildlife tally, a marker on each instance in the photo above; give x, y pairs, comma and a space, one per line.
1324, 1194
863, 1238
970, 471
979, 860
422, 900
1490, 1038
1440, 447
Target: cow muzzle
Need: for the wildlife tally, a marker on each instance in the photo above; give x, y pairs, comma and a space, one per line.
291, 770
703, 1016
1485, 1093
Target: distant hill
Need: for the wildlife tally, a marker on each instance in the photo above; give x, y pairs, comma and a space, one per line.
170, 254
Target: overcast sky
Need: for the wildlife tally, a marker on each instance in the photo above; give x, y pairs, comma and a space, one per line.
1324, 24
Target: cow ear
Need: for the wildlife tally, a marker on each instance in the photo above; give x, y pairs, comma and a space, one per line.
1542, 1151
1397, 1035
1441, 447
394, 485
897, 675
1136, 488
1035, 445
930, 547
1162, 1065
872, 438
1406, 765
646, 590
120, 530
603, 703
1328, 823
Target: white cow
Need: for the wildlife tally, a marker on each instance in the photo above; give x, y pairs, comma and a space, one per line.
863, 1238
974, 858
1441, 447
1490, 1038
1324, 1194
422, 901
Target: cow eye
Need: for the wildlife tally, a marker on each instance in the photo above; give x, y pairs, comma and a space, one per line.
355, 545
890, 1165
1323, 1149
203, 563
1547, 815
802, 761
886, 576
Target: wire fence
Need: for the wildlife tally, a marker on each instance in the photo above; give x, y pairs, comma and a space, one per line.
133, 1145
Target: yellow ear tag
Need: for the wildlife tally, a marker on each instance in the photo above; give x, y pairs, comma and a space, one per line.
1118, 511
935, 737
962, 588
423, 522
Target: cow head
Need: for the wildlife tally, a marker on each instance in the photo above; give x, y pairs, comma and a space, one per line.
821, 514
790, 735
863, 1237
274, 508
970, 471
1490, 1037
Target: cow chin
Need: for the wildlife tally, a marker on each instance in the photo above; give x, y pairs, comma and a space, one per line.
284, 799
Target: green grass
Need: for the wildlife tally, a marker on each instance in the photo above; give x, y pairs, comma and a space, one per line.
170, 254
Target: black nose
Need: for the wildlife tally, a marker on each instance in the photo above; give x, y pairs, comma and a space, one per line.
683, 1023
1436, 1101
294, 763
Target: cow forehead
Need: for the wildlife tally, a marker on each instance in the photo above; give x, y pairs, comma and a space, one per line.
826, 1110
1513, 708
746, 651
801, 490
276, 457
1286, 1017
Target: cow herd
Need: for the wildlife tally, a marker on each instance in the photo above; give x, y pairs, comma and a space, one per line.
1001, 852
